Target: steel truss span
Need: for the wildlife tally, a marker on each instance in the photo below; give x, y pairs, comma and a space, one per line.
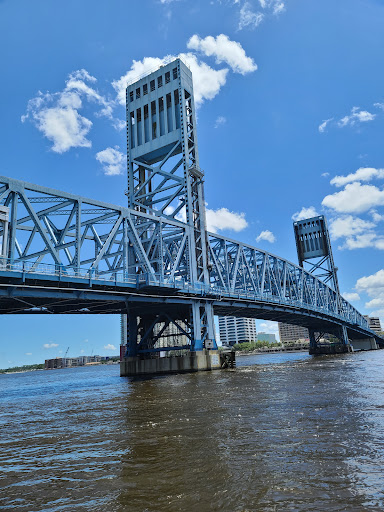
63, 246
154, 260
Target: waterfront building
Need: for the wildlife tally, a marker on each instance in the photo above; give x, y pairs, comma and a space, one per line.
70, 362
374, 323
264, 336
236, 330
289, 333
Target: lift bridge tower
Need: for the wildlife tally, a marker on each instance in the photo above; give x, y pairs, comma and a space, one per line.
165, 180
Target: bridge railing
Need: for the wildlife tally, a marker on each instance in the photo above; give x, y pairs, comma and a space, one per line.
213, 291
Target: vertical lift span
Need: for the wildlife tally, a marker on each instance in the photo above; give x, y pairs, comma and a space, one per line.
314, 253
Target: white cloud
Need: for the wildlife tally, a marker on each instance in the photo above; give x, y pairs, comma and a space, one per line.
65, 127
278, 8
356, 116
351, 296
355, 198
325, 174
28, 353
222, 218
266, 235
349, 226
224, 50
220, 121
363, 241
50, 345
362, 174
376, 217
305, 213
110, 347
207, 81
379, 105
112, 161
249, 18
324, 124
57, 117
371, 284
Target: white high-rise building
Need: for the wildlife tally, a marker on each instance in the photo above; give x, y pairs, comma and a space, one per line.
236, 330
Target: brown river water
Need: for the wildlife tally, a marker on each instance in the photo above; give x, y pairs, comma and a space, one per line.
281, 432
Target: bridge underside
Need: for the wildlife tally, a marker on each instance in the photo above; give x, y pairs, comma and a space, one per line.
41, 295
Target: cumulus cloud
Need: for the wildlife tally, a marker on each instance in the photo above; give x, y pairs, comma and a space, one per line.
351, 296
370, 284
222, 218
324, 124
349, 226
356, 116
379, 105
266, 235
355, 198
220, 121
357, 233
57, 117
224, 50
110, 347
362, 174
50, 345
373, 286
305, 213
112, 161
249, 18
28, 353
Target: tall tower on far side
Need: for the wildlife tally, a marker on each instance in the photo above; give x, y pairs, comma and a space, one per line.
165, 180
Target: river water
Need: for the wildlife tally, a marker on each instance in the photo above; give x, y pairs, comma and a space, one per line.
282, 432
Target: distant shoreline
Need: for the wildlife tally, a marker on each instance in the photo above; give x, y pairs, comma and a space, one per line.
271, 351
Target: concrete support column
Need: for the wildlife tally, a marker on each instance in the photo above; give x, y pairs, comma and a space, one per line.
131, 335
312, 341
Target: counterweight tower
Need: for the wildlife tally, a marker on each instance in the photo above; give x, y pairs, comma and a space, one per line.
165, 180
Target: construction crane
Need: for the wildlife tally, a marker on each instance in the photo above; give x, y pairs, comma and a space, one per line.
66, 352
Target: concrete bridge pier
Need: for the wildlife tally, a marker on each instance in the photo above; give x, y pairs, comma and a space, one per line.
364, 344
200, 360
162, 341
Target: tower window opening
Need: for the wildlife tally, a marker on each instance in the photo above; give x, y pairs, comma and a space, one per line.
131, 96
160, 81
145, 89
152, 85
167, 77
174, 73
138, 93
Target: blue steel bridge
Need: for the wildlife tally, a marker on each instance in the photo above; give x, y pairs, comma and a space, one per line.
154, 261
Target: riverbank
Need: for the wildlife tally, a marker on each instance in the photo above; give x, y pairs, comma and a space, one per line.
270, 351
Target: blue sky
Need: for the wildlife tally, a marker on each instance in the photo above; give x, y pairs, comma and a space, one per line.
290, 115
